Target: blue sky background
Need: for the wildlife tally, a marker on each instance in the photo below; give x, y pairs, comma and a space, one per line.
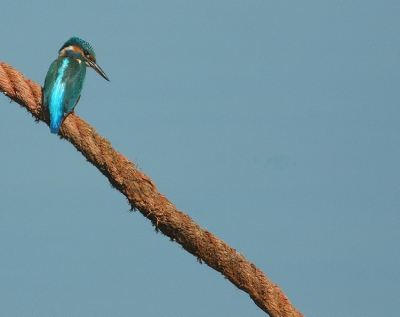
274, 124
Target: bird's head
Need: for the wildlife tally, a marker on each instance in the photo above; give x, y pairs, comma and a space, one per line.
82, 51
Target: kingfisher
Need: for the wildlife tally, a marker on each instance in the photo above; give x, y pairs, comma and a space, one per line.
65, 78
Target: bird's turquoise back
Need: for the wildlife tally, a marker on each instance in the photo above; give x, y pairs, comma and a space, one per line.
62, 88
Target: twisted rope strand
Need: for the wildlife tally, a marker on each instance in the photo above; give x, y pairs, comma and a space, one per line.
142, 195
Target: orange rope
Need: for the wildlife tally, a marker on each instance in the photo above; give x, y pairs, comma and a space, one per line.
142, 195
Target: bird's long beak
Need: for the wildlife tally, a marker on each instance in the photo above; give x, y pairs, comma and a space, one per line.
97, 68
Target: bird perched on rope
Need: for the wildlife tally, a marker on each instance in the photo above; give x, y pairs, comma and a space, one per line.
65, 78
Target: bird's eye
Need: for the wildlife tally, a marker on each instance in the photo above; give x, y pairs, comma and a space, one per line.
86, 53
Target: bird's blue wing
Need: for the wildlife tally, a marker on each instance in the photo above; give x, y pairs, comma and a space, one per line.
74, 79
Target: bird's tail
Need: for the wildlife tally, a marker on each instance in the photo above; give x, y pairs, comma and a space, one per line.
56, 116
54, 128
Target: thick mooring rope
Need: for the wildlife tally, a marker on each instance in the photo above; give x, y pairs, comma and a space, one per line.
142, 195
